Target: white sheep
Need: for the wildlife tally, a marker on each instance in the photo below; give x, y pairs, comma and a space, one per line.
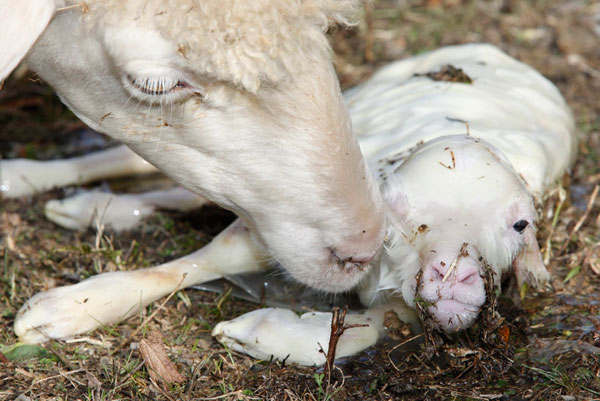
237, 101
443, 189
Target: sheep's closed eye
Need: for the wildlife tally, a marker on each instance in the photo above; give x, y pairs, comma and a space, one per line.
157, 84
520, 226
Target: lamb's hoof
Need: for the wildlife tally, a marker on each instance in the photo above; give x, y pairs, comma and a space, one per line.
64, 312
49, 315
20, 177
93, 208
276, 333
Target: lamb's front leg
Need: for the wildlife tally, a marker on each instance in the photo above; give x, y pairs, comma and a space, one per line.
107, 298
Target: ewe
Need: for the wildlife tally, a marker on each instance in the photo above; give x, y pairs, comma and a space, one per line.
235, 100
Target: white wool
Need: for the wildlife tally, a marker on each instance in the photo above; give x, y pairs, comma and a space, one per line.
248, 43
509, 106
237, 101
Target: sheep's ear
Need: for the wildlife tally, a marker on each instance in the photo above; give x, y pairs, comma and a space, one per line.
528, 265
21, 23
329, 12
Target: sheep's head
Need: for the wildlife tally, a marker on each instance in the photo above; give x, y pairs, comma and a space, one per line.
236, 100
459, 212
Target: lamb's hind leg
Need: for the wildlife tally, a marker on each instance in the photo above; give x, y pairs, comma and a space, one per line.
117, 211
19, 177
107, 298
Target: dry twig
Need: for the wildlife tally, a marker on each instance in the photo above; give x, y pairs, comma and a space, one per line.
581, 220
337, 329
461, 253
395, 347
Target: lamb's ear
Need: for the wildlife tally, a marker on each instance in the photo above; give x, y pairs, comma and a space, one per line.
394, 197
528, 265
21, 23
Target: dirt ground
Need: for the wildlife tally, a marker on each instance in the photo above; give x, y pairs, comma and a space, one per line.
547, 348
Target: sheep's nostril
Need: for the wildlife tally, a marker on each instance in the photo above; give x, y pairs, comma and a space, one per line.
354, 265
359, 262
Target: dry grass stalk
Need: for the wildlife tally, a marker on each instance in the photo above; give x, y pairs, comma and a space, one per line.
461, 253
581, 220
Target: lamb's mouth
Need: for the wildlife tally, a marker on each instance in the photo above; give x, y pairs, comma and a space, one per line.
452, 315
454, 306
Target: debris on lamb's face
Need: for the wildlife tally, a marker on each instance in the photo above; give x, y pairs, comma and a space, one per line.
453, 290
469, 218
442, 316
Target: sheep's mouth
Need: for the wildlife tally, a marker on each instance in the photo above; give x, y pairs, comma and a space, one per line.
349, 265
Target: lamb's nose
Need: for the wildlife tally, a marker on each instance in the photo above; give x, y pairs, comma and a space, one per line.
438, 271
465, 273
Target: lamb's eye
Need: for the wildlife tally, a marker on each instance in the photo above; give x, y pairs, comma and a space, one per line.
520, 226
156, 85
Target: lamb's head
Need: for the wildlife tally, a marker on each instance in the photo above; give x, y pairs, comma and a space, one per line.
459, 212
236, 100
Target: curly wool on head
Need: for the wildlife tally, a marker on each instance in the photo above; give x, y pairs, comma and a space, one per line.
247, 43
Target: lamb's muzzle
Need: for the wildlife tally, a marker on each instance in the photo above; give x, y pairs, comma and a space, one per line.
452, 286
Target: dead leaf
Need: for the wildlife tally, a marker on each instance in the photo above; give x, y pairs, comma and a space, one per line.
160, 367
504, 332
92, 381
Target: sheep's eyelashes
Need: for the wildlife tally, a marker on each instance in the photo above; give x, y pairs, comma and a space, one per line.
520, 226
156, 86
